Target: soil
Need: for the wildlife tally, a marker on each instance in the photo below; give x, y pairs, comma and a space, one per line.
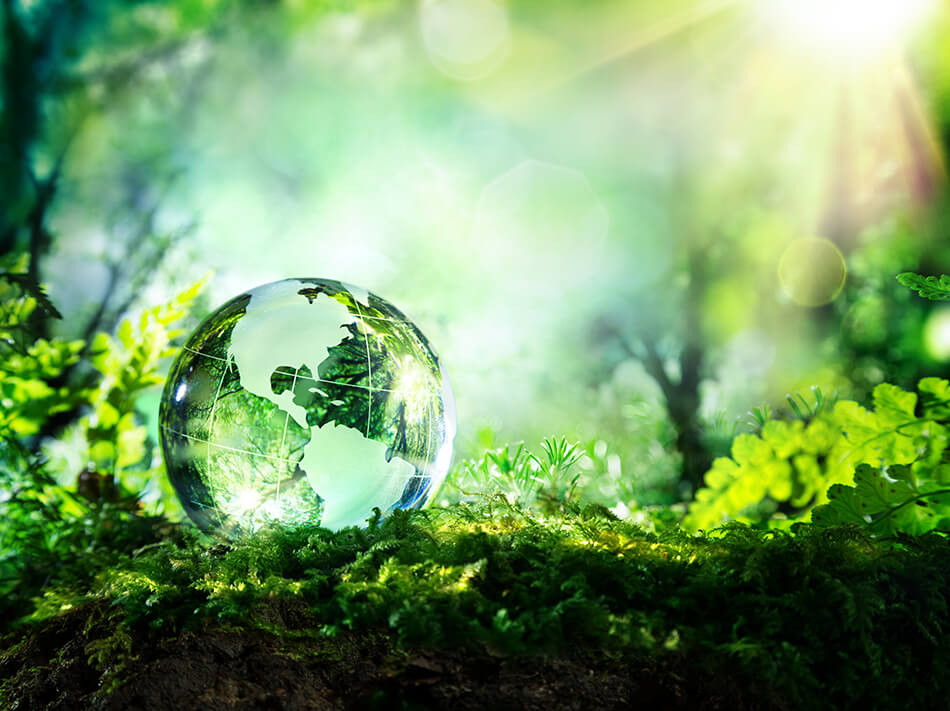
55, 666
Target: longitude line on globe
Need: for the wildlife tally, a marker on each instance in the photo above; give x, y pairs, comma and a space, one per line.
425, 464
243, 451
369, 366
214, 404
283, 438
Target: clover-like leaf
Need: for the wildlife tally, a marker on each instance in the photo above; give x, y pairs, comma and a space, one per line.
844, 507
935, 398
884, 500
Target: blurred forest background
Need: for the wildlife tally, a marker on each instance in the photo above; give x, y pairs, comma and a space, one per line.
636, 224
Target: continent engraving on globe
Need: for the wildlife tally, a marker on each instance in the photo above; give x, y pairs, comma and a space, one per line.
305, 401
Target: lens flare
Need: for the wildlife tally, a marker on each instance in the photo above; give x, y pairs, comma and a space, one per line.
847, 28
812, 271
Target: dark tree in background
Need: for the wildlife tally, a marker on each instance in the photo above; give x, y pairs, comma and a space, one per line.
57, 72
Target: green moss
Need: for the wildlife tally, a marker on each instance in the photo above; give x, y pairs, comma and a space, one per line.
826, 612
111, 656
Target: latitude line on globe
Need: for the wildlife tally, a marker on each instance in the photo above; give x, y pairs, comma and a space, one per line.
283, 371
379, 318
222, 446
245, 451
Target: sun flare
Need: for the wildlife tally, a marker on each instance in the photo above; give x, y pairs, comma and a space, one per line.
855, 29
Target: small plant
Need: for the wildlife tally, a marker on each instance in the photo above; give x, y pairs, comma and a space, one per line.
57, 524
127, 364
558, 480
31, 389
894, 454
757, 417
773, 477
807, 411
522, 477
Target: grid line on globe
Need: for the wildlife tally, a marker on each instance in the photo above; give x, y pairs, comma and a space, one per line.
314, 401
369, 366
289, 372
214, 402
283, 439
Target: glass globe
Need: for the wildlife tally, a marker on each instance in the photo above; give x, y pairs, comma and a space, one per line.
305, 401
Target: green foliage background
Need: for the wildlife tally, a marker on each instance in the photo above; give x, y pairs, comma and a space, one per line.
747, 374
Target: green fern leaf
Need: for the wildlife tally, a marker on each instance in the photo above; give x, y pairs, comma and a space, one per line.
35, 290
929, 287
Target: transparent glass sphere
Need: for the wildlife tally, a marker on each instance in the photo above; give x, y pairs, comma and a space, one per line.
305, 401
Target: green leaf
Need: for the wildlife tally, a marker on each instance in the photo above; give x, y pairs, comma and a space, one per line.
796, 463
748, 449
103, 454
910, 509
890, 434
935, 398
783, 437
894, 407
722, 474
27, 283
929, 287
885, 501
130, 443
106, 416
820, 436
844, 507
778, 476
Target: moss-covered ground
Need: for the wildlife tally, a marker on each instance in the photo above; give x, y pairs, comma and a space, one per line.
488, 606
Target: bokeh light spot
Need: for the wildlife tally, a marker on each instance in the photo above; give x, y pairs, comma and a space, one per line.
812, 271
465, 39
540, 218
544, 205
937, 334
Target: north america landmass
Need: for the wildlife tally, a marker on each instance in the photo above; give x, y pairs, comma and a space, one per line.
349, 471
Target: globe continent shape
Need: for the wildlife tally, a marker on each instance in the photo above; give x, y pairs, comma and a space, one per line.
305, 401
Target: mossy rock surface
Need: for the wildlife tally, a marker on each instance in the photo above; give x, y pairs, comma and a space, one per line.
494, 607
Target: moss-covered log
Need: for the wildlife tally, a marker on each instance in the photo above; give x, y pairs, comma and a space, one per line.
489, 607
